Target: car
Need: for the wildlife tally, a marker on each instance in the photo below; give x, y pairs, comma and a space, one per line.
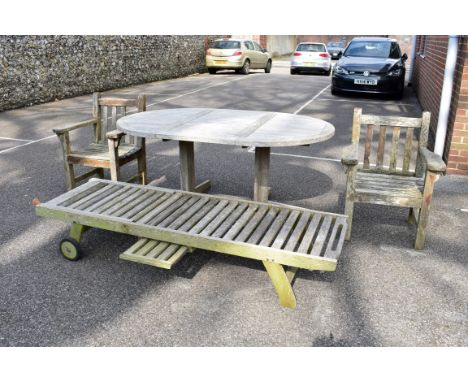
237, 54
335, 48
310, 57
370, 65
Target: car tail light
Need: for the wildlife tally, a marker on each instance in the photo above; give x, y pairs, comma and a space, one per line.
237, 53
297, 54
324, 55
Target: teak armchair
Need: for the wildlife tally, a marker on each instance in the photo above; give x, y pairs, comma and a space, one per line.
108, 149
378, 183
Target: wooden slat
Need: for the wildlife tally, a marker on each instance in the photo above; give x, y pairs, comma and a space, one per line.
104, 121
184, 217
394, 152
408, 150
381, 147
168, 210
95, 197
368, 145
310, 234
298, 232
113, 120
390, 121
108, 198
283, 235
249, 228
148, 194
144, 218
265, 223
321, 237
224, 220
357, 121
239, 223
176, 213
117, 102
123, 203
338, 235
211, 220
272, 232
76, 194
126, 191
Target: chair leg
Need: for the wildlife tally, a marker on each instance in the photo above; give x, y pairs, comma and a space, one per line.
281, 282
100, 173
423, 219
413, 215
142, 164
349, 203
114, 159
349, 210
70, 176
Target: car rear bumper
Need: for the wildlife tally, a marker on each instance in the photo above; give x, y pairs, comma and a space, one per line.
385, 84
224, 62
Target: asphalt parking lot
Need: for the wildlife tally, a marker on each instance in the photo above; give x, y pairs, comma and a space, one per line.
384, 293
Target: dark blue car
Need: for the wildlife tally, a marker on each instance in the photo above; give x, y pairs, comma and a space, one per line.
370, 65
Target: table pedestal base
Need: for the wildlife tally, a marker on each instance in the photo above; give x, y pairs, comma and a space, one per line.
187, 169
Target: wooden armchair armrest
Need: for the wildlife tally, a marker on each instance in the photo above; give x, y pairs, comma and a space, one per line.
350, 155
433, 161
115, 134
74, 126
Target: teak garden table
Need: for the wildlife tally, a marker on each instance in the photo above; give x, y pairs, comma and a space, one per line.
259, 129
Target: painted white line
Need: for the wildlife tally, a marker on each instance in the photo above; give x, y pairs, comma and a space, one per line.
349, 100
463, 210
26, 144
16, 139
311, 100
197, 90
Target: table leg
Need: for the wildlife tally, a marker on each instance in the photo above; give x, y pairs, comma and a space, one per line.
280, 279
262, 171
187, 169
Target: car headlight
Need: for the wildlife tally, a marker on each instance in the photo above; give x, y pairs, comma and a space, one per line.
340, 70
395, 72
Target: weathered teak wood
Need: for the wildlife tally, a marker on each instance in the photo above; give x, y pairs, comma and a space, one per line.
108, 151
171, 222
390, 184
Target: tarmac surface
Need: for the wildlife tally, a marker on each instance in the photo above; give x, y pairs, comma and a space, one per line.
383, 293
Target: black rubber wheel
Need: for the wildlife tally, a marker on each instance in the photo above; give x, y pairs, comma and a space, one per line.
212, 71
268, 67
327, 73
292, 71
246, 67
334, 92
70, 249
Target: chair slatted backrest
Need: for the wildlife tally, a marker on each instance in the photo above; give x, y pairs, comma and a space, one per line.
107, 110
391, 127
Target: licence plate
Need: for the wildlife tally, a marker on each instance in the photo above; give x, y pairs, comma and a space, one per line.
220, 61
360, 81
310, 63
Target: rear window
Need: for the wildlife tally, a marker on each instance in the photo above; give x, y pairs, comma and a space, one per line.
335, 44
310, 48
377, 49
226, 45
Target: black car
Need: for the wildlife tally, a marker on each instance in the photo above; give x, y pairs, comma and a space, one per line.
335, 48
370, 65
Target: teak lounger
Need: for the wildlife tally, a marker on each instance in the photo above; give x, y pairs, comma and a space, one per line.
168, 223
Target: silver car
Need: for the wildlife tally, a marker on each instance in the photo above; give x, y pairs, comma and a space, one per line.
311, 57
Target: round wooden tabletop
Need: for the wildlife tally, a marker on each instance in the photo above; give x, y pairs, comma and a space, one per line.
226, 126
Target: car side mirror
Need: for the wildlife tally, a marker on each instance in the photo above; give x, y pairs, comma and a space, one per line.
404, 57
340, 53
264, 50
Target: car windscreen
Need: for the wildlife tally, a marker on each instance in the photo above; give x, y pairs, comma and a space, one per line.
310, 48
375, 49
226, 45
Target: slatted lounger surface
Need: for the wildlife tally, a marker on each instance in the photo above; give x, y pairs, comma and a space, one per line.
169, 222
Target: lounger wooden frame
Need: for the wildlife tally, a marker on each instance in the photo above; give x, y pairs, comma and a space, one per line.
270, 232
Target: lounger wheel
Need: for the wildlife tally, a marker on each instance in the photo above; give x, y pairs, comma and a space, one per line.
70, 249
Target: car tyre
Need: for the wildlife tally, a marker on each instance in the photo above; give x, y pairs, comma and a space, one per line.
212, 71
334, 92
268, 67
327, 73
246, 67
293, 71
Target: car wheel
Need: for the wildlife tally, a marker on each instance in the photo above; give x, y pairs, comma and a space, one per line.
212, 71
334, 92
327, 73
292, 71
246, 67
268, 67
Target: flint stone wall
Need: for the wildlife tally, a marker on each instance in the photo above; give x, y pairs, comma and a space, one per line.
37, 69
